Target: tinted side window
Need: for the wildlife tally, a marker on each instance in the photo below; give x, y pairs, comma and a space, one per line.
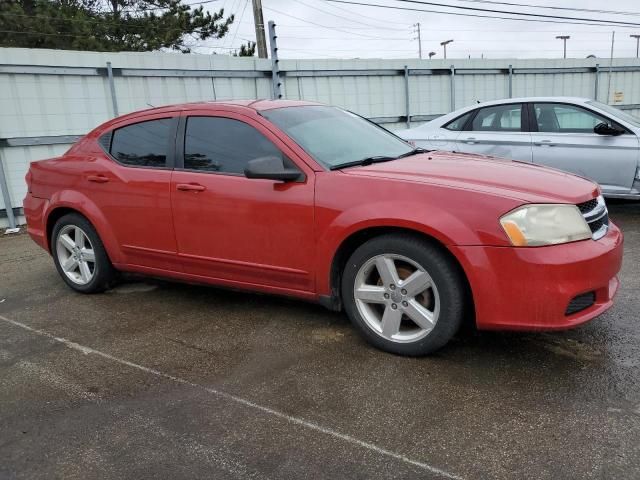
458, 124
555, 117
500, 118
142, 144
216, 144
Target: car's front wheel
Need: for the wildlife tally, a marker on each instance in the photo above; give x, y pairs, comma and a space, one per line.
405, 295
79, 256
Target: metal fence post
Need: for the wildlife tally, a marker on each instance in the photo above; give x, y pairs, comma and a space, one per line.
275, 69
510, 81
453, 88
406, 96
8, 205
112, 87
595, 94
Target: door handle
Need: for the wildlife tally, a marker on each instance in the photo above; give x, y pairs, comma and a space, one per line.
97, 178
470, 140
544, 143
190, 187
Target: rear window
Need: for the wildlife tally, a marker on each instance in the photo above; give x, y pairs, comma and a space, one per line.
498, 118
458, 124
144, 144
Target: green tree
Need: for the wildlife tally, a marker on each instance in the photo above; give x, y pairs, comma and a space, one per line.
108, 25
248, 50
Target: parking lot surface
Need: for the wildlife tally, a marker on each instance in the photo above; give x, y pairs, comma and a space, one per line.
164, 380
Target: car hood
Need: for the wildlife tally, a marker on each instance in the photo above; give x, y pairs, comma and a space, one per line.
518, 180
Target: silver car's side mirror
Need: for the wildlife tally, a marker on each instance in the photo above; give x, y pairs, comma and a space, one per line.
604, 129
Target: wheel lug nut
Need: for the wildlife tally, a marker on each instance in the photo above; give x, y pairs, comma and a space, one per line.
394, 306
405, 304
386, 295
392, 286
403, 291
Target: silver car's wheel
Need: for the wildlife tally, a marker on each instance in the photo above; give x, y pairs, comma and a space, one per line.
397, 298
75, 254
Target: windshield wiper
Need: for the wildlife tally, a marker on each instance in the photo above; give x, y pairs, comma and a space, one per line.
377, 159
415, 151
363, 162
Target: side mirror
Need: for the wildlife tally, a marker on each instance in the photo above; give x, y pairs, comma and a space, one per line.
604, 129
271, 168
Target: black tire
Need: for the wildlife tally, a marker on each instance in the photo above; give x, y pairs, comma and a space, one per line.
103, 272
445, 273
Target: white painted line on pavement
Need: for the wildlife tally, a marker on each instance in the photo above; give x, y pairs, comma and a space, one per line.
240, 400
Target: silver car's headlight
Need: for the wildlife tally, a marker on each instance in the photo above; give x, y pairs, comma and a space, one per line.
545, 224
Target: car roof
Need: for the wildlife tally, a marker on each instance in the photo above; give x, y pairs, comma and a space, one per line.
534, 99
249, 106
256, 105
504, 101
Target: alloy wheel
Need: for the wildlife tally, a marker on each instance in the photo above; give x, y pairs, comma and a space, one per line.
76, 255
397, 298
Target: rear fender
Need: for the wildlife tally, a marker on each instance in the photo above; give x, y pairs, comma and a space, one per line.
79, 202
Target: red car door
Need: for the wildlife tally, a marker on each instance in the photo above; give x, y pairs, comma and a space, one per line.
242, 231
130, 182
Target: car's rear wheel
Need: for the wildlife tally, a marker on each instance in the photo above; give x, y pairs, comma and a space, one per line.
405, 295
79, 255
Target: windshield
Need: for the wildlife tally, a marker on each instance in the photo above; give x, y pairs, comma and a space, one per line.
616, 112
333, 136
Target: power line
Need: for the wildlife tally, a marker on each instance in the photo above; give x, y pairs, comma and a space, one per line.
347, 38
456, 29
339, 16
550, 7
95, 21
246, 2
321, 25
385, 21
393, 7
523, 14
165, 8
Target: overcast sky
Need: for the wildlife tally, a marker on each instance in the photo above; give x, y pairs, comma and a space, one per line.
322, 29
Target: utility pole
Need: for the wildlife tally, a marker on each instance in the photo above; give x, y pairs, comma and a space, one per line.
637, 37
564, 38
613, 38
444, 46
419, 38
261, 42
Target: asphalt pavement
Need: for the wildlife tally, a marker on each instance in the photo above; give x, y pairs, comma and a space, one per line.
156, 379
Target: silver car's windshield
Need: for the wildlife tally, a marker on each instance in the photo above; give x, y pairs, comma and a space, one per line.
616, 112
335, 137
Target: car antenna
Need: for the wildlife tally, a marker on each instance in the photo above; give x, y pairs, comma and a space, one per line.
153, 106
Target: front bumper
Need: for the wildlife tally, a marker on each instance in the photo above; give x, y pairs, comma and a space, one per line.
531, 288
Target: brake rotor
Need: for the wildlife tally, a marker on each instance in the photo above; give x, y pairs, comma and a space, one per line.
425, 298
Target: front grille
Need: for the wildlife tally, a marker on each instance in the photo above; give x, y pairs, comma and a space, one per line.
597, 224
580, 303
596, 215
586, 207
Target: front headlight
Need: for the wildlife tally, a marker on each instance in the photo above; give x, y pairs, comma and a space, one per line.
545, 224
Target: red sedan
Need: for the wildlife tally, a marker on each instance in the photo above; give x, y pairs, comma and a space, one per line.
315, 202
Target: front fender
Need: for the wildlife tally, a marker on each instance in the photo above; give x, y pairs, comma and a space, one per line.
79, 202
428, 220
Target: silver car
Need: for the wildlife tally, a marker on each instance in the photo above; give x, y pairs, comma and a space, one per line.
577, 135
